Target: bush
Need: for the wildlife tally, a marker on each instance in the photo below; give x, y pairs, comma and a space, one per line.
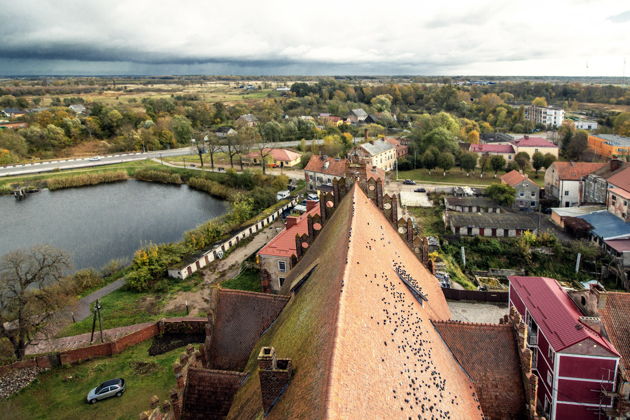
153, 175
150, 265
85, 179
211, 187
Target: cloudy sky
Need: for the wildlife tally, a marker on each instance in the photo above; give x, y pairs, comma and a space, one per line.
267, 37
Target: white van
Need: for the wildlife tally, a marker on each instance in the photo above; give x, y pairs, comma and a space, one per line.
281, 195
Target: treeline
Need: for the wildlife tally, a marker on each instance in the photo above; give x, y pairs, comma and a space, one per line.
82, 180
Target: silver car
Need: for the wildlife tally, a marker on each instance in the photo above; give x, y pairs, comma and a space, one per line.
113, 387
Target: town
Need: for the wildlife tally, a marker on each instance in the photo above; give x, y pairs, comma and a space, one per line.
286, 210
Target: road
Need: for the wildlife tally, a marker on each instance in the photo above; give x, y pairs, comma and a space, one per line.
61, 164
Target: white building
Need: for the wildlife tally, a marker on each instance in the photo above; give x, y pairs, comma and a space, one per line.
549, 116
377, 153
586, 125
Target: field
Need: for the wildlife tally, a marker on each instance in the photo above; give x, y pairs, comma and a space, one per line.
60, 393
458, 177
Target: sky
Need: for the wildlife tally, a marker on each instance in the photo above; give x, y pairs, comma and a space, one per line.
293, 37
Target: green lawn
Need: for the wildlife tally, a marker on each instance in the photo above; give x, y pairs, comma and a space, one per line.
457, 176
126, 307
53, 397
429, 219
248, 279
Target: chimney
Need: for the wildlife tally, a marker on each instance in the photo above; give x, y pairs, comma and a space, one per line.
311, 204
326, 165
291, 221
274, 375
615, 164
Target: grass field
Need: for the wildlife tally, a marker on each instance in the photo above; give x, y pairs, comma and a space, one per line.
248, 279
51, 396
456, 176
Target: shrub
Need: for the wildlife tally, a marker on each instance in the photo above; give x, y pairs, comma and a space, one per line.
85, 179
153, 175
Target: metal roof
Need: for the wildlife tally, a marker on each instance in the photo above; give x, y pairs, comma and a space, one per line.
606, 225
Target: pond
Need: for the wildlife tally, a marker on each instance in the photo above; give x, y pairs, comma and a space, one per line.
100, 223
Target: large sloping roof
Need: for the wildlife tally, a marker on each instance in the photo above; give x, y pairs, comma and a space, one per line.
491, 148
489, 355
376, 147
513, 178
615, 315
283, 244
575, 171
606, 225
336, 167
533, 142
361, 344
621, 179
555, 313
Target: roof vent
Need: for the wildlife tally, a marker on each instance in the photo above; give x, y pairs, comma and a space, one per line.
579, 326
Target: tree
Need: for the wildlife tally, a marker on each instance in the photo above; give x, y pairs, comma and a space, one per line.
213, 146
246, 138
429, 160
502, 193
446, 161
497, 162
578, 145
468, 160
13, 142
539, 101
484, 162
538, 161
182, 129
522, 160
31, 291
549, 159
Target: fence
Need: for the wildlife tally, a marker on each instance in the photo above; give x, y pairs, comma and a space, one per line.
203, 259
104, 349
476, 295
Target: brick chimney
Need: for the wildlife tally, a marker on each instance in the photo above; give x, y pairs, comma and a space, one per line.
291, 221
615, 164
311, 204
274, 375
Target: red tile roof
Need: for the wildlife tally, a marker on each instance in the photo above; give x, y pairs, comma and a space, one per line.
575, 171
513, 178
283, 244
336, 167
621, 179
488, 353
533, 142
362, 344
392, 140
555, 313
491, 148
281, 155
615, 316
619, 245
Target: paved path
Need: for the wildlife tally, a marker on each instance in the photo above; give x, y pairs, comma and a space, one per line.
82, 310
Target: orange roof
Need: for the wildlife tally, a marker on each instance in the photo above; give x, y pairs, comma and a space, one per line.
336, 167
392, 140
621, 179
280, 155
489, 354
283, 244
513, 178
362, 343
575, 171
615, 315
620, 192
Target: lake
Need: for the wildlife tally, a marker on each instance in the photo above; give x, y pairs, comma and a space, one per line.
99, 223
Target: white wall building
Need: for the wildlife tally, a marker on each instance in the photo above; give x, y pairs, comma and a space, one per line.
549, 116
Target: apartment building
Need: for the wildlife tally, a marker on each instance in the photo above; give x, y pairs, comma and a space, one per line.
548, 116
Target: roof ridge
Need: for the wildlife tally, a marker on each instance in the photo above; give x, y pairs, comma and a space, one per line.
468, 323
259, 294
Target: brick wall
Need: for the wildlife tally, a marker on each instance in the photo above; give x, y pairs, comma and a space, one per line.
209, 393
476, 295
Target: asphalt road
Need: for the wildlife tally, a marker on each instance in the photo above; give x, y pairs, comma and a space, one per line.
64, 164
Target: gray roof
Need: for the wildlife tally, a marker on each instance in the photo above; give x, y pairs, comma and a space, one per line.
248, 117
615, 140
492, 220
359, 112
470, 201
376, 147
606, 225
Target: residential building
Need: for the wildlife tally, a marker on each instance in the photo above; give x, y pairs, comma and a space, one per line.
585, 124
471, 204
620, 249
225, 131
364, 172
620, 179
575, 364
279, 256
527, 191
618, 203
505, 150
320, 171
357, 116
377, 153
247, 120
326, 118
401, 149
564, 181
531, 145
547, 116
609, 145
596, 183
13, 112
13, 125
275, 158
489, 224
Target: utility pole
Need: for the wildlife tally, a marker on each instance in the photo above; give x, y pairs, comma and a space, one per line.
97, 314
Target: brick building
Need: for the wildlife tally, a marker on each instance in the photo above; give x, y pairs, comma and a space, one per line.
575, 364
401, 149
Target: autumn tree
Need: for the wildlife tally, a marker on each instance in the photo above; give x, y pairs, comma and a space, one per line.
539, 101
31, 291
549, 160
522, 160
445, 161
538, 161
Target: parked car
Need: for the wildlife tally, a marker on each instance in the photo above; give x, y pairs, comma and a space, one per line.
111, 388
420, 190
409, 182
281, 195
312, 197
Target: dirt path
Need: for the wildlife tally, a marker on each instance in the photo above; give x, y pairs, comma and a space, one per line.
222, 270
